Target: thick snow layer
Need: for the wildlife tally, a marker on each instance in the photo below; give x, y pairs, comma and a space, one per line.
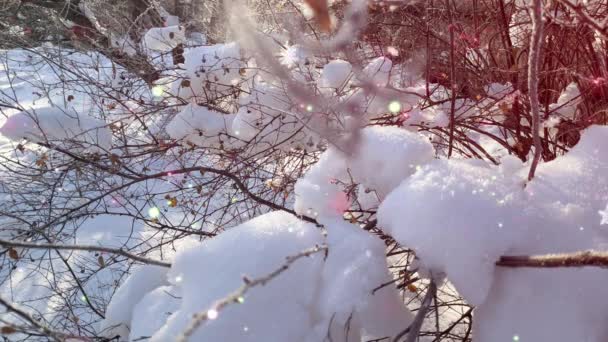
164, 38
335, 74
567, 102
377, 71
427, 212
320, 294
209, 70
461, 217
385, 156
255, 248
199, 124
119, 313
152, 311
58, 124
355, 266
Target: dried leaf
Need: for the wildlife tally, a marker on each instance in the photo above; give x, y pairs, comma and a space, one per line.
321, 11
70, 98
7, 330
412, 288
172, 202
13, 254
185, 83
100, 261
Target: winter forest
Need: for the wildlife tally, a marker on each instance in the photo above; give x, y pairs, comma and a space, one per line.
304, 170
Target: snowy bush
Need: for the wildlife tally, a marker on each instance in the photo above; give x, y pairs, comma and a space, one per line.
346, 171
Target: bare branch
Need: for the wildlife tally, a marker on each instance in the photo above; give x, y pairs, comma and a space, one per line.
90, 248
578, 259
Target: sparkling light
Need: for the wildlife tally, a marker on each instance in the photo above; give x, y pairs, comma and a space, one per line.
154, 212
394, 107
604, 215
309, 108
212, 314
157, 91
240, 299
516, 338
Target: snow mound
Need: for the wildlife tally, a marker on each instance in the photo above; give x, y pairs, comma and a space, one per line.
119, 313
354, 270
377, 71
54, 124
335, 74
254, 248
198, 124
334, 292
386, 156
460, 217
212, 69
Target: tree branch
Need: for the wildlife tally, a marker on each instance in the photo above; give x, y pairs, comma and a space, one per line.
90, 248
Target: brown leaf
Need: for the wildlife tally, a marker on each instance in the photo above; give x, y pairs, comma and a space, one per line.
7, 330
321, 11
185, 83
101, 262
172, 202
70, 98
115, 159
13, 254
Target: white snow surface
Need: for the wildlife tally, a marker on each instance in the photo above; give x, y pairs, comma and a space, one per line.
460, 217
315, 295
55, 124
164, 38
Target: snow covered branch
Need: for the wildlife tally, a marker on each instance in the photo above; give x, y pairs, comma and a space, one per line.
536, 43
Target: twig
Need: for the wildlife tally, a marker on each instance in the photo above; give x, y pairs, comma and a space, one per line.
39, 326
90, 248
414, 328
578, 259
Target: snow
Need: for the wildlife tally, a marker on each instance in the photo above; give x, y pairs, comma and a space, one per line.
567, 102
385, 156
164, 38
55, 124
355, 266
209, 70
462, 216
198, 124
254, 249
377, 71
119, 313
604, 215
335, 74
315, 295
